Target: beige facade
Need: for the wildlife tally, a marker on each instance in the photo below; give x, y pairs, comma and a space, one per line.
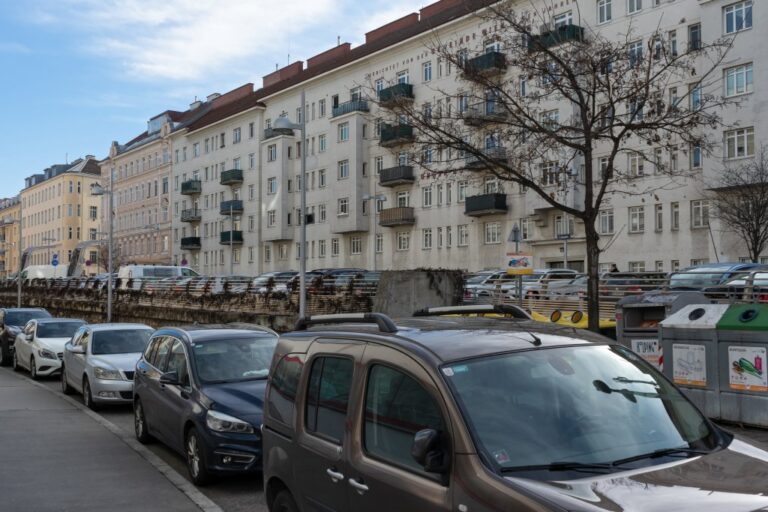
9, 236
59, 212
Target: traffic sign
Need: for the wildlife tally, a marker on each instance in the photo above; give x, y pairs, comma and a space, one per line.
55, 260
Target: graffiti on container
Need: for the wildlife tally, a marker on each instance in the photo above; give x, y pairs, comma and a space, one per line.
648, 349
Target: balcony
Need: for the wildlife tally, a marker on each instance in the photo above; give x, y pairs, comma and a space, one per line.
232, 207
400, 216
190, 243
485, 204
231, 177
487, 64
276, 132
489, 111
555, 37
191, 187
191, 215
350, 106
394, 135
231, 237
496, 155
395, 94
394, 176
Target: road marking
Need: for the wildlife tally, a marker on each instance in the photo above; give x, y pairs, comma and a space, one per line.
182, 484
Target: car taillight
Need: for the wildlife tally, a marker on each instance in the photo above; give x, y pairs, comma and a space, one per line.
763, 297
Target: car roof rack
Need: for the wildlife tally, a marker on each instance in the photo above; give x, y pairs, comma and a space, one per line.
383, 321
476, 309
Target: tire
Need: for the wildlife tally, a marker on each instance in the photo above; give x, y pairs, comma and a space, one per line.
33, 369
15, 363
140, 427
196, 463
65, 387
284, 503
5, 354
88, 397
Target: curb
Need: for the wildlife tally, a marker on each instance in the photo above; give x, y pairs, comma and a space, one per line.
203, 502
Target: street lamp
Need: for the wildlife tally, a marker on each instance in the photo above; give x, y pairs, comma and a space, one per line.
283, 122
98, 190
374, 199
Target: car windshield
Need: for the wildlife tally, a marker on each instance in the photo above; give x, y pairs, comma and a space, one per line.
695, 279
532, 278
58, 329
123, 341
233, 360
22, 317
478, 279
591, 404
758, 279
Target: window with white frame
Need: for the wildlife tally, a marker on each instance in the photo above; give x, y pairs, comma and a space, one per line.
343, 206
550, 119
355, 245
271, 185
674, 216
605, 222
738, 80
378, 164
737, 17
462, 188
563, 20
636, 219
426, 71
463, 234
604, 14
236, 135
635, 164
635, 53
343, 132
335, 247
636, 266
550, 175
696, 157
343, 169
699, 214
251, 161
271, 152
492, 232
634, 6
321, 178
271, 218
526, 228
426, 196
322, 142
267, 253
403, 199
403, 240
740, 143
321, 248
426, 238
379, 248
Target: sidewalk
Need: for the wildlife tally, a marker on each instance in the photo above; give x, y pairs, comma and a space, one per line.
54, 457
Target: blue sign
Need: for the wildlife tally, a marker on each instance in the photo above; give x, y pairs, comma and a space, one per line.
55, 260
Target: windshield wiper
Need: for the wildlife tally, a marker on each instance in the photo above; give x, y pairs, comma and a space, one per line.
661, 453
562, 466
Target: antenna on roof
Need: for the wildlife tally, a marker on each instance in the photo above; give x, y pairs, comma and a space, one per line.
66, 158
338, 40
277, 66
289, 59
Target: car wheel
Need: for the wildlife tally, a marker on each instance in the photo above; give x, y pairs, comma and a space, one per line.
65, 387
15, 363
5, 354
33, 368
140, 423
88, 397
198, 472
284, 503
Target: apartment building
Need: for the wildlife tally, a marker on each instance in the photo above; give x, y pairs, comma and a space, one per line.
59, 213
9, 236
236, 204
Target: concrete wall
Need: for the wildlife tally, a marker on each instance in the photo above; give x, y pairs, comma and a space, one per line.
400, 294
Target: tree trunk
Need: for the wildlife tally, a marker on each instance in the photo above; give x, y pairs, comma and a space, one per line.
593, 274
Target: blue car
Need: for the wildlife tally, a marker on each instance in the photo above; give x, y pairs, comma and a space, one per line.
200, 391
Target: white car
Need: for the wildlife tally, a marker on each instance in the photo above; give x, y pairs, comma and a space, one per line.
100, 360
39, 347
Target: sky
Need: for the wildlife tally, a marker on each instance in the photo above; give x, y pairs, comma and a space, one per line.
78, 74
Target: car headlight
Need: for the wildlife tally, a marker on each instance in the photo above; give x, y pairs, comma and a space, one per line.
47, 354
220, 422
106, 374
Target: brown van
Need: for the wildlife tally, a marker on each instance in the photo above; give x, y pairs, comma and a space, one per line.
452, 413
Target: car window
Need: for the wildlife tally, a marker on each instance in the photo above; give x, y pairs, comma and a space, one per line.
58, 329
328, 397
151, 348
85, 339
120, 341
396, 408
234, 359
158, 356
283, 386
177, 362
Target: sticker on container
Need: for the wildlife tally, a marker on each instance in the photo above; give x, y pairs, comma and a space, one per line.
746, 368
689, 365
648, 349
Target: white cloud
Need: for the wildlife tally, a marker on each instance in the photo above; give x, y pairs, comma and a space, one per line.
13, 47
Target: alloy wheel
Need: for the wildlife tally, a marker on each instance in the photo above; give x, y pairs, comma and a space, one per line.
193, 455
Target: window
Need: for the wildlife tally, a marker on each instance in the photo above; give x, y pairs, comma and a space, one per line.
738, 80
636, 219
740, 143
396, 408
402, 77
634, 6
672, 42
604, 222
343, 206
696, 157
343, 169
674, 216
560, 20
426, 70
323, 143
403, 240
694, 37
321, 178
463, 230
403, 199
426, 238
221, 140
603, 11
426, 196
356, 245
236, 135
271, 185
321, 106
271, 218
321, 211
461, 191
196, 149
636, 266
343, 132
635, 165
321, 248
330, 381
694, 92
675, 265
271, 152
738, 17
492, 232
93, 213
550, 119
379, 243
699, 214
549, 173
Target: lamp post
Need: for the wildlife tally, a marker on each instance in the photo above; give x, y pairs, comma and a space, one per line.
283, 122
374, 200
98, 190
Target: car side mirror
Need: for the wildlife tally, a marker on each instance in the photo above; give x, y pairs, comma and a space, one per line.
170, 378
28, 337
427, 451
74, 349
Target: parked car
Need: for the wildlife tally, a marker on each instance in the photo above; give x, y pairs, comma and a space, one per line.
528, 417
737, 287
99, 362
711, 274
562, 289
39, 347
200, 390
535, 285
137, 273
621, 284
12, 321
482, 285
261, 283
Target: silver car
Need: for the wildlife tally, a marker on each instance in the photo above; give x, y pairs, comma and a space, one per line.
100, 360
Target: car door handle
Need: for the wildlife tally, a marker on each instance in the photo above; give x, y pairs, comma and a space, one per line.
335, 475
361, 488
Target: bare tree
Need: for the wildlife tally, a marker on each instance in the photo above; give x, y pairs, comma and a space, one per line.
542, 100
740, 202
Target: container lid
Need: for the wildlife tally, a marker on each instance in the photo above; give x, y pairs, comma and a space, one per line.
745, 317
696, 316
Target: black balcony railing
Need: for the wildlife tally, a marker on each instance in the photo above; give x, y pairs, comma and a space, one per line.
231, 177
399, 216
190, 243
396, 93
490, 62
350, 106
557, 36
485, 204
488, 111
393, 176
233, 237
393, 135
191, 187
492, 155
191, 215
276, 132
231, 207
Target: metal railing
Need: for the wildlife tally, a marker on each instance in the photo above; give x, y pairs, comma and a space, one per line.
349, 107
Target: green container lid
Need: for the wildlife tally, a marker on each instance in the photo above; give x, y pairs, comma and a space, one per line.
744, 317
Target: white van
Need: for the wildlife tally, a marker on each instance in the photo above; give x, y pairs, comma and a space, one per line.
151, 272
44, 272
